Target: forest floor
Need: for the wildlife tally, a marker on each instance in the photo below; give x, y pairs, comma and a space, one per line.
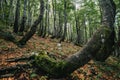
109, 70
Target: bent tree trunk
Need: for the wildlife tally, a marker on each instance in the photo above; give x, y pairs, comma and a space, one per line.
67, 66
99, 47
34, 26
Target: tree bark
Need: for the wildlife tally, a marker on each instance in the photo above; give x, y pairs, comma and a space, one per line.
17, 16
108, 18
10, 12
23, 18
65, 22
29, 16
2, 10
54, 15
34, 26
58, 68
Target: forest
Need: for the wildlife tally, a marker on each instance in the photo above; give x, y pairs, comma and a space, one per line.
59, 39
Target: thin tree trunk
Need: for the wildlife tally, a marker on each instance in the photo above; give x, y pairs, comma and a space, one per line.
60, 26
22, 27
17, 16
65, 22
48, 20
45, 22
2, 10
29, 16
10, 12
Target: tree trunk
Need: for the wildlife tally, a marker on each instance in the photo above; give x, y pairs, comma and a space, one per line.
29, 17
1, 10
78, 41
10, 12
17, 16
48, 20
45, 22
54, 15
59, 32
67, 66
108, 18
65, 22
34, 26
22, 27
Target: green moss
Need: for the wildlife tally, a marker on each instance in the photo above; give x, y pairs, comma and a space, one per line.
50, 65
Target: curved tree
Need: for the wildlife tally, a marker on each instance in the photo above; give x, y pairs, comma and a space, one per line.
96, 48
34, 26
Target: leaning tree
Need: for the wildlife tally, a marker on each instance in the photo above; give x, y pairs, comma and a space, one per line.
99, 47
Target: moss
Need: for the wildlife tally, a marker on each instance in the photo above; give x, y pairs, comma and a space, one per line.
103, 52
50, 65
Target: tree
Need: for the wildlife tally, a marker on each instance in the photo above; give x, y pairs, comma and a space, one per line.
108, 19
24, 17
17, 17
65, 22
34, 26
